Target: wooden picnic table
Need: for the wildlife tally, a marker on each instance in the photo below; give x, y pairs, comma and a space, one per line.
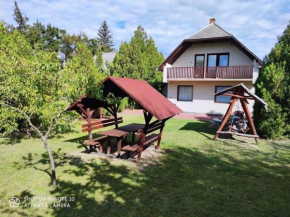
132, 128
119, 133
116, 133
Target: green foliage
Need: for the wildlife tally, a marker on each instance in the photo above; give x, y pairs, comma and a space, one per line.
29, 79
33, 82
273, 85
82, 74
124, 104
139, 59
19, 18
34, 85
46, 37
105, 37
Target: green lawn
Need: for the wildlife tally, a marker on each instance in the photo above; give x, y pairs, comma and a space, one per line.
195, 176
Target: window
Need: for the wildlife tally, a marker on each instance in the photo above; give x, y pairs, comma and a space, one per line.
221, 59
199, 60
221, 98
184, 93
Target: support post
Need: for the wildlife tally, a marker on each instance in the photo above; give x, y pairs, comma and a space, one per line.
101, 113
115, 110
160, 136
249, 118
226, 117
89, 120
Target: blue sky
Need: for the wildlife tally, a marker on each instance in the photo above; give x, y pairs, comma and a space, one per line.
255, 23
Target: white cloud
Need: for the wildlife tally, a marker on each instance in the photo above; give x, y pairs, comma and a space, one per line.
255, 23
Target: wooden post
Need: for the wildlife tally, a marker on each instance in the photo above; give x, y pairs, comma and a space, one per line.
160, 136
109, 147
101, 113
147, 117
250, 120
89, 120
141, 147
119, 146
115, 110
226, 117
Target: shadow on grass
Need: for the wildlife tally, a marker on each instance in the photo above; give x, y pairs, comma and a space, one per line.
16, 211
11, 141
183, 183
79, 141
201, 127
60, 159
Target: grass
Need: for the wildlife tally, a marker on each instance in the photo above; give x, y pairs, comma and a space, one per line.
195, 176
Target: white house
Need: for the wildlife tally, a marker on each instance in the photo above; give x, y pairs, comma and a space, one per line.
205, 63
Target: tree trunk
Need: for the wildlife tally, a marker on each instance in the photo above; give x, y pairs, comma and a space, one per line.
52, 164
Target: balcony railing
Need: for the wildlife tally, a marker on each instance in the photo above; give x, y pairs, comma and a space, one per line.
211, 72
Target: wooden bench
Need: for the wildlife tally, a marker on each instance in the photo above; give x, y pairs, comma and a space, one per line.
94, 125
146, 137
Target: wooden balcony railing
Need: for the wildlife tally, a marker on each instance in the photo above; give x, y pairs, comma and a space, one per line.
211, 72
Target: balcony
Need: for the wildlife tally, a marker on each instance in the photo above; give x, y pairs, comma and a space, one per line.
210, 73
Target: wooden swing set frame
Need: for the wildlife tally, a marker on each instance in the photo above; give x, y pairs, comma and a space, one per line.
242, 93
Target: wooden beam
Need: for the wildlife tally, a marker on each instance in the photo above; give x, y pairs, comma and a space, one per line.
250, 120
110, 111
82, 109
238, 134
147, 117
89, 122
226, 117
101, 113
234, 95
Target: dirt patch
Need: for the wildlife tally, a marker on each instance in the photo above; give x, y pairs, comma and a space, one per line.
149, 156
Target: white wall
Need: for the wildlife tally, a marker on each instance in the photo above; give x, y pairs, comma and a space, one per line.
237, 57
203, 96
255, 71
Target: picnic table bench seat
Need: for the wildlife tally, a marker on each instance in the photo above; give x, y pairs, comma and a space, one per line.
148, 139
97, 142
146, 136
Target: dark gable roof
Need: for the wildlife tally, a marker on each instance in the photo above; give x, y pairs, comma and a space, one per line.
142, 93
210, 31
210, 34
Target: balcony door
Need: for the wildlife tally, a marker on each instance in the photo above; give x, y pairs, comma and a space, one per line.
214, 60
199, 65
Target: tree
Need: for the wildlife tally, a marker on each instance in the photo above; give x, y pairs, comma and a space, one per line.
105, 37
273, 85
139, 59
47, 37
94, 45
20, 19
33, 86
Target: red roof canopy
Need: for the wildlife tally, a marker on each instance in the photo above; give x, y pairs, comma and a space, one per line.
144, 94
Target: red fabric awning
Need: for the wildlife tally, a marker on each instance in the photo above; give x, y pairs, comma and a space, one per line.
144, 94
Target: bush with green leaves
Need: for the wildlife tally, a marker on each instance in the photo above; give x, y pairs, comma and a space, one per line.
273, 85
34, 88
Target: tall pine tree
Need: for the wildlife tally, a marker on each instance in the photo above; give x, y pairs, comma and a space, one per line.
139, 59
105, 37
273, 85
19, 18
